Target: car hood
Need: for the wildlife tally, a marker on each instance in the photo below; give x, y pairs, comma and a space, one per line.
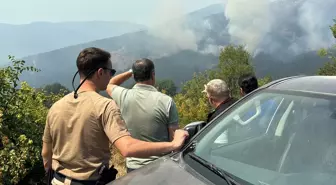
261, 176
163, 171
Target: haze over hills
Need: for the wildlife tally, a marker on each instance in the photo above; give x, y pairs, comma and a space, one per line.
59, 66
39, 37
282, 36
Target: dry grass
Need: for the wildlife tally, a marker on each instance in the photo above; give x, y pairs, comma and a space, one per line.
118, 161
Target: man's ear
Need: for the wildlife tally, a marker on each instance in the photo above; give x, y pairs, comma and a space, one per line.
153, 75
241, 91
100, 72
210, 100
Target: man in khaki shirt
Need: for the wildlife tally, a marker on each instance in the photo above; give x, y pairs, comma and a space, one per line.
80, 126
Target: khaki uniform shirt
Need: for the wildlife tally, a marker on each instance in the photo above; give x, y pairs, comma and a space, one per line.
80, 131
148, 113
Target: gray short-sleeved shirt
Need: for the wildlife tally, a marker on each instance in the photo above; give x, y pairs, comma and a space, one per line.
147, 113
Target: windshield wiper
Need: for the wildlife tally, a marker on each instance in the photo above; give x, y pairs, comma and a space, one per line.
213, 168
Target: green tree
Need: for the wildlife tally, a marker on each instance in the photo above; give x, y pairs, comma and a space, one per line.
23, 114
192, 104
264, 81
56, 88
329, 69
166, 85
234, 61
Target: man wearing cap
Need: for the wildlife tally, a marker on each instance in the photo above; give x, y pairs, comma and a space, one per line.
149, 114
219, 97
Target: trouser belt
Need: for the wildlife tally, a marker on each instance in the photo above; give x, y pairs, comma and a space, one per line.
62, 178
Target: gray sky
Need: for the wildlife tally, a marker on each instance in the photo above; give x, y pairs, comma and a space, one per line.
138, 11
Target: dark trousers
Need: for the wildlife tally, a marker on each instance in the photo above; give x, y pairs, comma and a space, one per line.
61, 178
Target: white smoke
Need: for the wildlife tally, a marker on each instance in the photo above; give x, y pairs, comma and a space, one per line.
249, 21
267, 25
281, 28
211, 49
315, 17
169, 25
120, 60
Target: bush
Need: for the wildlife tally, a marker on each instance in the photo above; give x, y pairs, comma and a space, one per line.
23, 113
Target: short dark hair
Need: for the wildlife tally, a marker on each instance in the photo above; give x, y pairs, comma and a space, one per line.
248, 83
142, 69
90, 59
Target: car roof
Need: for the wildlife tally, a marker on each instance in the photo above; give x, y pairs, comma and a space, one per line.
316, 84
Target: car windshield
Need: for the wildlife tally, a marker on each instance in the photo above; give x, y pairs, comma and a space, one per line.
274, 137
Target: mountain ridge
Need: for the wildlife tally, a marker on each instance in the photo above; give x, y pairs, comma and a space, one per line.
194, 44
38, 37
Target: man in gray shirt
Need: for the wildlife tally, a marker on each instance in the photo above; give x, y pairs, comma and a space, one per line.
149, 114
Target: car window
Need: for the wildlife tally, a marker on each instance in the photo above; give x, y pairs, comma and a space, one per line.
274, 137
253, 119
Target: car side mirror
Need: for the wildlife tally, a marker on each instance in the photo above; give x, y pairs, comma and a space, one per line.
194, 127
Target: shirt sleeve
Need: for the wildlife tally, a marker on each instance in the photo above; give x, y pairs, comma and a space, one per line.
46, 133
119, 94
114, 124
173, 114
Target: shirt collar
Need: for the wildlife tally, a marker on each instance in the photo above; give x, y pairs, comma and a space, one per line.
223, 103
144, 87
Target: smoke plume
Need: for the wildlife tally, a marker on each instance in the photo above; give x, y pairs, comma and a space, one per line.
169, 25
249, 21
280, 27
315, 17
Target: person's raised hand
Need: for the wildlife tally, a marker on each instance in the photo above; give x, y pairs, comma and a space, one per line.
179, 138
